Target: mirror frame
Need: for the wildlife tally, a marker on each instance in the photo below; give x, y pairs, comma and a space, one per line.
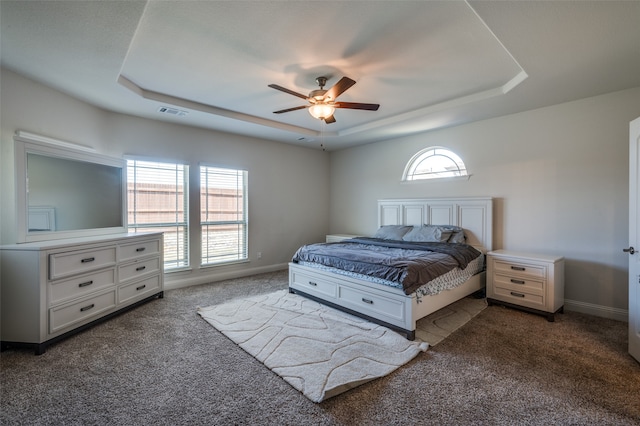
28, 143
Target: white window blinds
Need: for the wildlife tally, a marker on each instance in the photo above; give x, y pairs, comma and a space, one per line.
223, 215
159, 202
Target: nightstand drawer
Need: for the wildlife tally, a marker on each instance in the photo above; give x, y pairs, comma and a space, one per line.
521, 269
518, 284
522, 298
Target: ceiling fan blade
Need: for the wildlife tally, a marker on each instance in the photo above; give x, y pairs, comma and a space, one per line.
330, 119
291, 92
339, 88
290, 109
357, 105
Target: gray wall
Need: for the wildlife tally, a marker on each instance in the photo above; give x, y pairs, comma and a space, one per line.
288, 185
559, 176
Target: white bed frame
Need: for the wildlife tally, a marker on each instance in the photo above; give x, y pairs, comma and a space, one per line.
387, 305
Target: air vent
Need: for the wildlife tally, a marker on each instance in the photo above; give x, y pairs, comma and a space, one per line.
172, 111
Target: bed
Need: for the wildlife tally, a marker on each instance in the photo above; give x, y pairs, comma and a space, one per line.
387, 301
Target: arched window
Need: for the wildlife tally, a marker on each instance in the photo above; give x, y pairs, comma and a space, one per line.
432, 163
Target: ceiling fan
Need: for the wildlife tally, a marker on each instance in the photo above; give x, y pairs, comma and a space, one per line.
322, 103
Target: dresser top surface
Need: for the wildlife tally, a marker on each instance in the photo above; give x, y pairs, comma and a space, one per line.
525, 256
54, 244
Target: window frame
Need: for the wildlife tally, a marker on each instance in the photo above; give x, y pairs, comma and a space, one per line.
182, 259
410, 175
241, 252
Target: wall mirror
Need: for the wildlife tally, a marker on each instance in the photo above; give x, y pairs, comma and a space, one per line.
65, 190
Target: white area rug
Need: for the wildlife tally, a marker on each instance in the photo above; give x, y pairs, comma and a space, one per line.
318, 350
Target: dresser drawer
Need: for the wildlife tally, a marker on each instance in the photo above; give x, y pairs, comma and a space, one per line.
523, 298
520, 269
66, 316
384, 308
138, 269
314, 284
82, 285
139, 289
519, 283
77, 262
139, 250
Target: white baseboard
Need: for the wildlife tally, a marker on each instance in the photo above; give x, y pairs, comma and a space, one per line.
597, 310
180, 280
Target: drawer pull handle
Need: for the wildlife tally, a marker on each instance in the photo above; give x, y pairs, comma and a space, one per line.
140, 249
517, 281
518, 268
141, 287
85, 284
88, 259
141, 268
313, 284
369, 301
86, 308
513, 293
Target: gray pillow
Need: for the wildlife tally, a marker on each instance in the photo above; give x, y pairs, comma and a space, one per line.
392, 232
457, 234
428, 233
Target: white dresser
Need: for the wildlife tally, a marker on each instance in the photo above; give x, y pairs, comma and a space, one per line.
532, 282
54, 288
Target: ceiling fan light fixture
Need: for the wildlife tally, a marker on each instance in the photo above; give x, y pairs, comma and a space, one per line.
321, 110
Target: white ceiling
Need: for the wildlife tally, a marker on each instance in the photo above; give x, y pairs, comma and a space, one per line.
429, 64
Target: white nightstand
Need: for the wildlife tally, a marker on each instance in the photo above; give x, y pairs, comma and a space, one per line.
334, 238
532, 282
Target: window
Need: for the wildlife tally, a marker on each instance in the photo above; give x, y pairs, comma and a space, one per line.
158, 201
223, 215
433, 163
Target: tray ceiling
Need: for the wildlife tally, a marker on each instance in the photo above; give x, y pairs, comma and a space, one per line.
428, 64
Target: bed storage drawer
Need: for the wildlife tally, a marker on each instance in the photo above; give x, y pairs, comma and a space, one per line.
314, 284
372, 300
378, 306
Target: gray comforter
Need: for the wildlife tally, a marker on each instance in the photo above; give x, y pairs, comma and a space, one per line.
411, 264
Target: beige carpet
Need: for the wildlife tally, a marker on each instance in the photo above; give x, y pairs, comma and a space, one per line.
437, 326
318, 350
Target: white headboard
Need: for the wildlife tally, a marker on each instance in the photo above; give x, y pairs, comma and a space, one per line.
474, 215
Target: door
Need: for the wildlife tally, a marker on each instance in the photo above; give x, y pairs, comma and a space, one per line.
634, 239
